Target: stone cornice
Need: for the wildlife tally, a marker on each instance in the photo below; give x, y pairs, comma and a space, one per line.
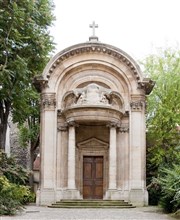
40, 83
147, 84
95, 48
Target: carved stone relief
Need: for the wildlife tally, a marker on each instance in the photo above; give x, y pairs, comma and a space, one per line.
93, 94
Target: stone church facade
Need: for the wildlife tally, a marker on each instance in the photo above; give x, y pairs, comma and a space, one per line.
92, 143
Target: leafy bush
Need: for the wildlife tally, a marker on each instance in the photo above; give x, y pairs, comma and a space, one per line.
13, 192
154, 189
170, 184
13, 171
12, 197
165, 189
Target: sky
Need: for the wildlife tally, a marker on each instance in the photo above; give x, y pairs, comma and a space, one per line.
138, 27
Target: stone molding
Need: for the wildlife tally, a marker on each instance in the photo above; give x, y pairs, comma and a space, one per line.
137, 105
91, 143
48, 101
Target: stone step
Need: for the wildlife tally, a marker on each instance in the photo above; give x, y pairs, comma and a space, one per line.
91, 204
85, 207
88, 200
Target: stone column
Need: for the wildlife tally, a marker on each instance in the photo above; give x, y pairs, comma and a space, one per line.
112, 158
138, 192
71, 156
61, 155
72, 192
48, 149
123, 156
112, 192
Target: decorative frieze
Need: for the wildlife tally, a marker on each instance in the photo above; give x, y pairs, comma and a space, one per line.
137, 105
48, 101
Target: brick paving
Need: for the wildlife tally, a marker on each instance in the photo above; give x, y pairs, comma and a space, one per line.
44, 213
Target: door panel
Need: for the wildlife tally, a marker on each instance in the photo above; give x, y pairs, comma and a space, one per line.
88, 171
93, 177
99, 171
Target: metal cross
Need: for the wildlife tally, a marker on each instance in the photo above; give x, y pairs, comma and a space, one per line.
93, 26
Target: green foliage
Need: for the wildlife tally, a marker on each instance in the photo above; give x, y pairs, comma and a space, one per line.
163, 106
163, 111
11, 170
12, 197
163, 119
170, 185
154, 189
13, 192
25, 45
165, 189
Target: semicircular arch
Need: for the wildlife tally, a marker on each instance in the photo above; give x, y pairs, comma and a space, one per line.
75, 76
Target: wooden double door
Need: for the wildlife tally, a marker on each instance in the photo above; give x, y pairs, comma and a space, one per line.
93, 177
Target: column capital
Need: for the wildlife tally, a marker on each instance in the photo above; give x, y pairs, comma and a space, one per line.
137, 105
113, 125
62, 127
48, 101
124, 128
72, 123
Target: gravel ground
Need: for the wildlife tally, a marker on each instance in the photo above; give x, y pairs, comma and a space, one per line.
44, 213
